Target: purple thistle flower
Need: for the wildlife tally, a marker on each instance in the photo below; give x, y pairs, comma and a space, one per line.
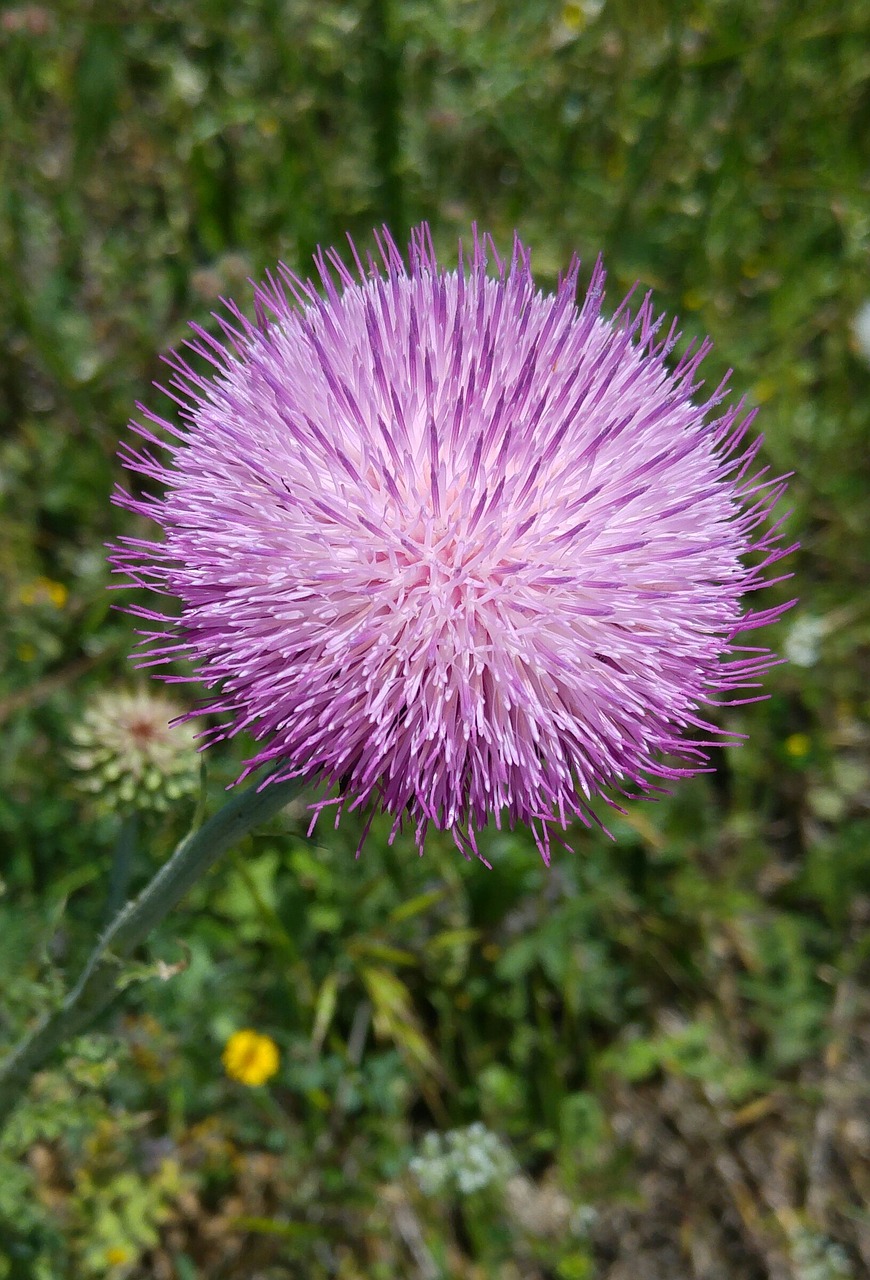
460, 548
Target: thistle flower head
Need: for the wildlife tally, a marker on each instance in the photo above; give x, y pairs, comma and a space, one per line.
457, 547
129, 756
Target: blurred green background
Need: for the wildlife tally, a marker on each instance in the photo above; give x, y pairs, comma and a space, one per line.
665, 1039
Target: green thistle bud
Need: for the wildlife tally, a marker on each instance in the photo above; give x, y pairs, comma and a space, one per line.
129, 756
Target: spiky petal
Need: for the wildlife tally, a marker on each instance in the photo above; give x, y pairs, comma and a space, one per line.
458, 547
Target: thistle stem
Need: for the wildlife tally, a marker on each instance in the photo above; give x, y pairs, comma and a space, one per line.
98, 984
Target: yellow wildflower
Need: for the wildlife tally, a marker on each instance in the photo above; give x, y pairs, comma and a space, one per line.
117, 1256
573, 16
250, 1058
763, 390
44, 591
797, 745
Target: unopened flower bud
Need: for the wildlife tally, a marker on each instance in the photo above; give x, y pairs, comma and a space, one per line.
130, 756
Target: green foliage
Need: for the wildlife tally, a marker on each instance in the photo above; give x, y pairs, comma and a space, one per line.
666, 1033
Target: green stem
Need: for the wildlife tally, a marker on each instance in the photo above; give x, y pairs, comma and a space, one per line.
122, 865
98, 984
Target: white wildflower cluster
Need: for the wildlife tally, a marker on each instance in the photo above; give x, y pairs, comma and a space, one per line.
815, 1257
461, 1160
803, 642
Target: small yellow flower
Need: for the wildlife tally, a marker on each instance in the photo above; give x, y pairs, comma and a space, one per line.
573, 16
763, 390
250, 1058
116, 1256
797, 745
44, 591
